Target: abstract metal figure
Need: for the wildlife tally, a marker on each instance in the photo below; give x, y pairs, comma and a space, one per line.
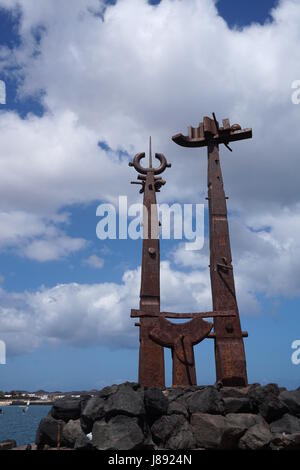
228, 336
181, 338
151, 355
156, 332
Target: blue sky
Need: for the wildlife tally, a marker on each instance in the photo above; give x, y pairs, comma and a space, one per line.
75, 80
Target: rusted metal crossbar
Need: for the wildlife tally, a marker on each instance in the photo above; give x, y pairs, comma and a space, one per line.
226, 313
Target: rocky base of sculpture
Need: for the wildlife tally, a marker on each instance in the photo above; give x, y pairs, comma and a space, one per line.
129, 417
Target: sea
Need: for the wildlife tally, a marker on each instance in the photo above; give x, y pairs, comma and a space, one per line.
22, 427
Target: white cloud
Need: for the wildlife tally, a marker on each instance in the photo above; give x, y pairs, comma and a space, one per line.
17, 226
52, 249
82, 314
268, 258
190, 259
37, 237
94, 261
50, 162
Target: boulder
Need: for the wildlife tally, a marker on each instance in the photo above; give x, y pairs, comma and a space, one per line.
93, 411
49, 432
292, 400
237, 405
234, 392
134, 385
231, 436
178, 407
83, 443
148, 443
243, 420
271, 388
110, 390
257, 437
125, 401
208, 430
9, 444
205, 401
66, 409
266, 401
288, 424
188, 394
120, 433
182, 438
84, 399
272, 409
173, 393
72, 431
156, 404
107, 391
285, 442
172, 432
235, 427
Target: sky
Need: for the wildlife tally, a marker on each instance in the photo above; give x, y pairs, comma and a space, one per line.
87, 82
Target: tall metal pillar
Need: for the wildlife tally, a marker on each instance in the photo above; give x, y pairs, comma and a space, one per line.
228, 336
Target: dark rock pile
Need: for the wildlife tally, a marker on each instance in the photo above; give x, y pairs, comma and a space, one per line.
126, 416
8, 445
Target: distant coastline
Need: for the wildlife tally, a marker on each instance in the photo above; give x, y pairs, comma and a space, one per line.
40, 397
24, 403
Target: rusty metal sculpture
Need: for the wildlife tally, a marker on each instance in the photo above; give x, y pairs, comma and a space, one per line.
156, 332
228, 336
151, 356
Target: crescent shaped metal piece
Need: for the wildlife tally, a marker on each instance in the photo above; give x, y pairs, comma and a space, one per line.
163, 164
136, 163
167, 333
157, 171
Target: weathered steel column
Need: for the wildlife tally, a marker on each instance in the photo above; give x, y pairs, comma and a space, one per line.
229, 345
151, 354
228, 336
151, 360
